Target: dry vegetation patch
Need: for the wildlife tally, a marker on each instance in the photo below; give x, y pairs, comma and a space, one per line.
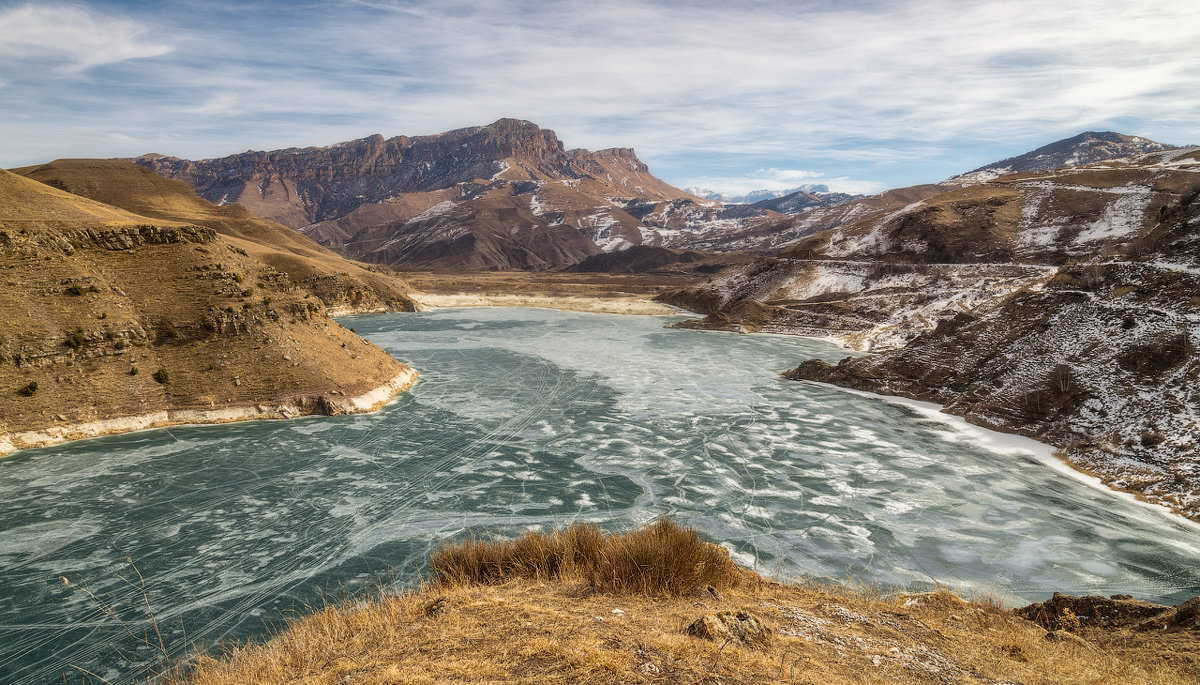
538, 618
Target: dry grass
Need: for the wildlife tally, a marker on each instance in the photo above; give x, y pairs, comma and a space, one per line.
536, 623
660, 559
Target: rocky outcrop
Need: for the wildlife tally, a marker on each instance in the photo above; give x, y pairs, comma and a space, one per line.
1101, 363
741, 628
864, 305
1067, 612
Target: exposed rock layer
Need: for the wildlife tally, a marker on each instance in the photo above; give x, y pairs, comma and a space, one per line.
117, 321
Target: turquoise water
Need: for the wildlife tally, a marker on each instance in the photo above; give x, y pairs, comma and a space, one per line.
536, 418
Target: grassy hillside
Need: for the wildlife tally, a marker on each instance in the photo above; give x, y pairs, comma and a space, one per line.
341, 284
658, 605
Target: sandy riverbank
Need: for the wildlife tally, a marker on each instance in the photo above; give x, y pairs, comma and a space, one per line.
289, 408
596, 305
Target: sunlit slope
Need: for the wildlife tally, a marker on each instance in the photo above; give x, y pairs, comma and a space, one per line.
98, 300
341, 284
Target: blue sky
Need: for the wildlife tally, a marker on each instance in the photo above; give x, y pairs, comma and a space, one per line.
732, 95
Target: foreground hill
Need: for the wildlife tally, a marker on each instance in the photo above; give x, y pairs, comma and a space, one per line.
117, 321
508, 195
660, 605
343, 286
1060, 305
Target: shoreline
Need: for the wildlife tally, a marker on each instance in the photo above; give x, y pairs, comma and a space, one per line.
1010, 443
290, 408
595, 305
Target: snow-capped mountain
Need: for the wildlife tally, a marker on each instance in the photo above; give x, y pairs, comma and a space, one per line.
1086, 148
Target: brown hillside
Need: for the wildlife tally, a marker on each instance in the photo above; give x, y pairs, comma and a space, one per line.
98, 301
658, 605
341, 285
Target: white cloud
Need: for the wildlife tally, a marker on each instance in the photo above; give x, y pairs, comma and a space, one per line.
73, 37
855, 91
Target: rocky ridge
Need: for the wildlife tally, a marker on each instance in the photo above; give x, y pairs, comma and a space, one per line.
507, 195
117, 321
1059, 305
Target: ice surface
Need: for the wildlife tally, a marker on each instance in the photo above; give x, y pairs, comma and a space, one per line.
535, 418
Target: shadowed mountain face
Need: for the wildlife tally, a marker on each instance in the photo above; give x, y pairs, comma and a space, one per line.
132, 320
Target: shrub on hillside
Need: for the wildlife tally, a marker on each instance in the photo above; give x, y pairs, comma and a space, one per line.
659, 559
162, 376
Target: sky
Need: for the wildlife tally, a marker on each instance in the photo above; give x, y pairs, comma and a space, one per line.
732, 95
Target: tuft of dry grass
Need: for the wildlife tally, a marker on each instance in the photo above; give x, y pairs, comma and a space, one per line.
659, 559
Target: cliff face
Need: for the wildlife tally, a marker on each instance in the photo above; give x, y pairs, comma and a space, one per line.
116, 321
1060, 305
1101, 363
300, 186
503, 196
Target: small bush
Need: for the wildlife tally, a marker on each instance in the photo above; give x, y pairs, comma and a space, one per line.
75, 339
74, 291
660, 559
162, 376
133, 371
28, 390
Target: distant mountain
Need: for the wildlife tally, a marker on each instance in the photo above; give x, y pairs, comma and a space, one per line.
1086, 148
756, 196
802, 200
806, 219
503, 196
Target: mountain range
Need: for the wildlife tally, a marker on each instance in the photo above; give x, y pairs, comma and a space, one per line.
507, 195
510, 195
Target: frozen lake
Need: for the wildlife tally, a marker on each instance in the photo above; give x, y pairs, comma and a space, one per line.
526, 418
